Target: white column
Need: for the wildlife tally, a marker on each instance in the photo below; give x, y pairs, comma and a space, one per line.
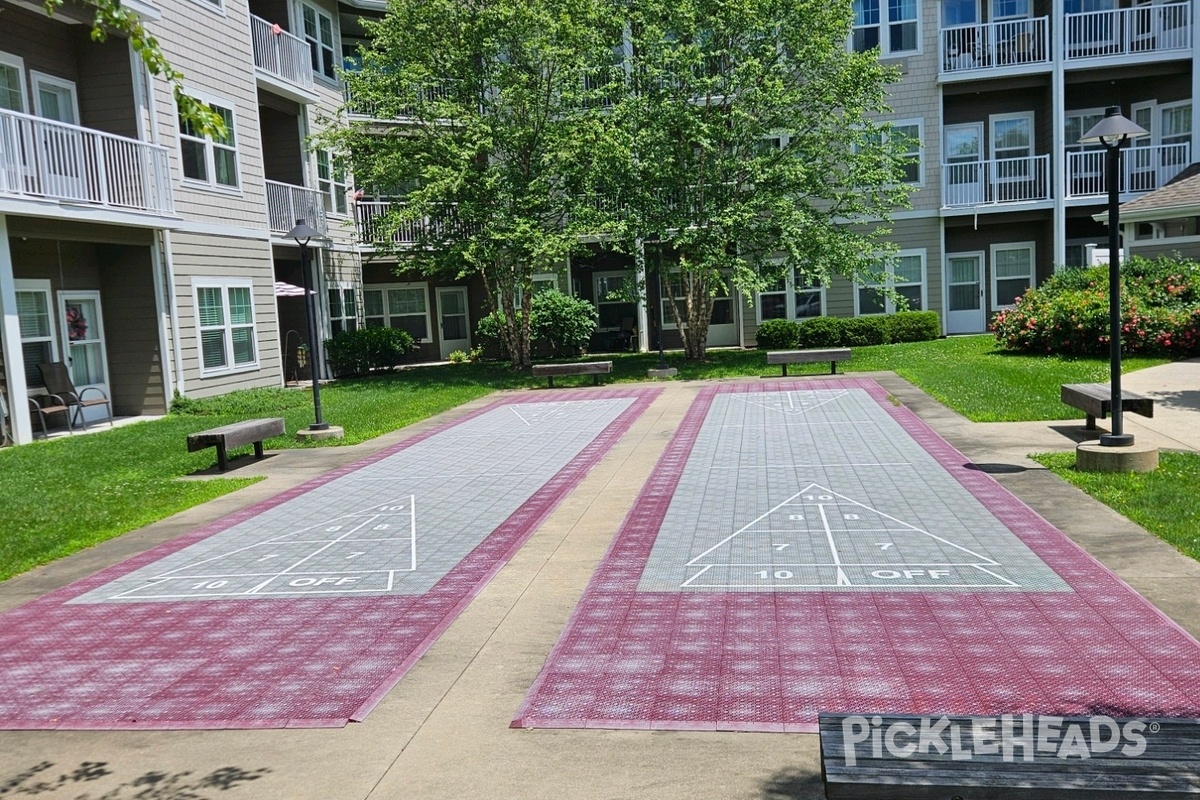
10, 340
1195, 154
643, 318
163, 315
1058, 157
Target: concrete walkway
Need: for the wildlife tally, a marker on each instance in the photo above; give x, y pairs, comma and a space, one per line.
444, 731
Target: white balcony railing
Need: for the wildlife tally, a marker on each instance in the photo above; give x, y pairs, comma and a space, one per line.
364, 108
44, 158
992, 45
287, 203
1128, 31
1143, 169
996, 182
368, 217
281, 54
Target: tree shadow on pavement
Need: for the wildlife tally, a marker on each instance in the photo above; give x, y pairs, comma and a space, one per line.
793, 784
44, 779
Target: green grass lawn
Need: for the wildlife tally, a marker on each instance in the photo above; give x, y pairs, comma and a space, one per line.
61, 496
1163, 502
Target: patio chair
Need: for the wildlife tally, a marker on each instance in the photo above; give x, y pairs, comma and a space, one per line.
58, 384
53, 405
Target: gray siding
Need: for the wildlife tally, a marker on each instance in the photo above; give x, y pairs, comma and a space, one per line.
131, 330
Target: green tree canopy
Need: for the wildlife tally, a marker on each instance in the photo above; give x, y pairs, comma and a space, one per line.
748, 141
500, 142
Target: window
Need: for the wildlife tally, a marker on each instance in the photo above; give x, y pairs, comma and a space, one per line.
1012, 272
1009, 9
906, 276
343, 309
207, 159
225, 317
403, 307
331, 181
12, 83
1012, 146
910, 134
611, 302
36, 322
890, 25
797, 297
318, 32
1077, 124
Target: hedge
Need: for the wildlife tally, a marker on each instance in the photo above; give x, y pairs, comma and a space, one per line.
903, 326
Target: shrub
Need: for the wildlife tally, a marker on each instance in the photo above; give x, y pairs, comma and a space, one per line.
564, 323
862, 331
1160, 311
458, 357
778, 334
821, 332
912, 326
489, 333
360, 351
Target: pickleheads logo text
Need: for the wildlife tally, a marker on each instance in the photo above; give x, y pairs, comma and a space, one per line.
1013, 738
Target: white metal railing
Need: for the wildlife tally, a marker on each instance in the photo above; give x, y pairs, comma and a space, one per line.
287, 203
1143, 169
280, 53
43, 158
1128, 31
1008, 43
368, 217
364, 108
994, 182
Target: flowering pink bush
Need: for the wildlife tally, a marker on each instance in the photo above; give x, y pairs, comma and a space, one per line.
1160, 311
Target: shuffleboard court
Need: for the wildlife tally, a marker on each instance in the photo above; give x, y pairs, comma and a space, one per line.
306, 609
814, 546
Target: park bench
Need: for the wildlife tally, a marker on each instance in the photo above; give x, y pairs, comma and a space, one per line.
830, 354
1095, 400
1020, 757
237, 434
593, 368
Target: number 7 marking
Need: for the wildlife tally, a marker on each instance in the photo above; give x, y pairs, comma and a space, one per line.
884, 545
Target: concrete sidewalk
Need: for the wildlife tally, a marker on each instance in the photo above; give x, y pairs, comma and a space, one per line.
444, 731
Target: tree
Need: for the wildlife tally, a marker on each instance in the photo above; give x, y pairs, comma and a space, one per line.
503, 137
109, 16
748, 144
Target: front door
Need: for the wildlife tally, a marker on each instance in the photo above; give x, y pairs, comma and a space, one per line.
722, 325
83, 331
964, 293
60, 148
454, 324
964, 167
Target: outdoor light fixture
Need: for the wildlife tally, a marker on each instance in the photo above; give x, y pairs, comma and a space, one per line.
302, 233
662, 362
1113, 131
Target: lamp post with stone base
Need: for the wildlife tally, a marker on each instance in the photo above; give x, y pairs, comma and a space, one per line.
319, 428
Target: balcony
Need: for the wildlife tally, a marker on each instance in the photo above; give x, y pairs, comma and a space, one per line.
1143, 169
41, 158
365, 109
287, 203
1141, 31
1012, 45
282, 62
996, 182
368, 218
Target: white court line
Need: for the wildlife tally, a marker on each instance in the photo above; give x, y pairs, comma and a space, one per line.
994, 575
892, 564
838, 465
864, 586
810, 530
797, 423
742, 529
841, 576
697, 575
518, 413
789, 394
316, 552
412, 529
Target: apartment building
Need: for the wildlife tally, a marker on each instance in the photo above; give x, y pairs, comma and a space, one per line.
140, 252
155, 261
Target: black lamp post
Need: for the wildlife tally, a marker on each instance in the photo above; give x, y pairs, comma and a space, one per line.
662, 362
302, 233
1113, 131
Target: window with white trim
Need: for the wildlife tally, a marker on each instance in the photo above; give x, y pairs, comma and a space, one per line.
1012, 272
343, 309
792, 298
891, 25
331, 181
225, 323
210, 159
402, 306
910, 133
905, 276
35, 317
611, 303
318, 32
12, 83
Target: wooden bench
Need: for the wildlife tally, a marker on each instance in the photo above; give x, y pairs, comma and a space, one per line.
1095, 400
237, 434
593, 368
831, 354
978, 758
